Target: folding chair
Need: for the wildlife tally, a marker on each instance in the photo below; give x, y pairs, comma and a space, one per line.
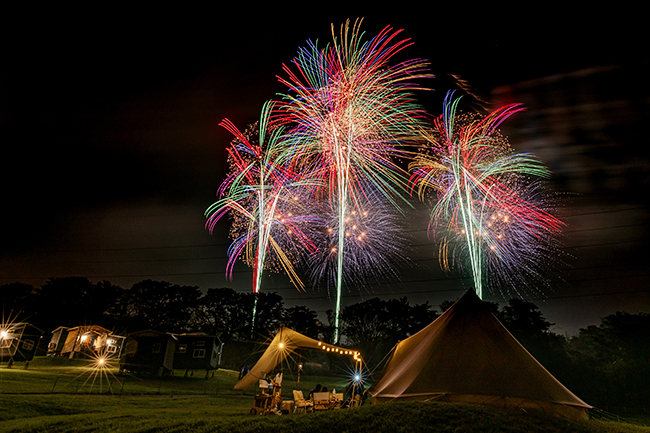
300, 405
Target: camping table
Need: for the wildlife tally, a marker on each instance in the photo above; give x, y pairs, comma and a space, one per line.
261, 404
287, 406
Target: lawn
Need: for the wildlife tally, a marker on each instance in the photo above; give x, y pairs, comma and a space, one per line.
69, 398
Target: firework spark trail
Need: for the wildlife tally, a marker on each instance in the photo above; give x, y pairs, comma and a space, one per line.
490, 208
375, 242
349, 113
265, 201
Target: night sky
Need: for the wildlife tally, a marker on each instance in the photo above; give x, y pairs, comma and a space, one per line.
112, 149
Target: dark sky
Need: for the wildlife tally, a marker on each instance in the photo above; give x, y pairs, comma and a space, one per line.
112, 150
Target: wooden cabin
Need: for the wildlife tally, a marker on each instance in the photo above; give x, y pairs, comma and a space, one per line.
18, 342
57, 341
197, 351
149, 352
88, 340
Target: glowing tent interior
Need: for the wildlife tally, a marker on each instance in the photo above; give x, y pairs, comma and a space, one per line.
467, 355
285, 342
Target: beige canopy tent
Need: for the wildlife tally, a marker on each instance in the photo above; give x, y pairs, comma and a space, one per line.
467, 355
285, 342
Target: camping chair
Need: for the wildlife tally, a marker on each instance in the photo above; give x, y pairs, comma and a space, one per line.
300, 405
355, 401
322, 401
264, 386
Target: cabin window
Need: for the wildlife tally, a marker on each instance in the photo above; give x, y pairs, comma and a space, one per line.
5, 342
28, 344
156, 348
199, 353
200, 343
182, 348
111, 349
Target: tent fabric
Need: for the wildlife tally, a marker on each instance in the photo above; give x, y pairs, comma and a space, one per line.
284, 343
467, 355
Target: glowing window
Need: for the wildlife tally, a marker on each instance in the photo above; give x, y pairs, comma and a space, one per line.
28, 344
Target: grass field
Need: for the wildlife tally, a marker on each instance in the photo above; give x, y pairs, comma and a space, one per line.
69, 398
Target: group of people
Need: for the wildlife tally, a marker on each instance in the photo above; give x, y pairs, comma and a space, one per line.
353, 389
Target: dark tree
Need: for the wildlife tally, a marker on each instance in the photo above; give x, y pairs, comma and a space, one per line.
270, 308
163, 306
304, 320
615, 356
528, 325
375, 326
446, 304
524, 320
226, 313
115, 316
74, 301
17, 302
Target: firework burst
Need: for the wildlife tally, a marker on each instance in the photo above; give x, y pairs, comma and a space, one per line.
349, 113
491, 208
375, 242
266, 201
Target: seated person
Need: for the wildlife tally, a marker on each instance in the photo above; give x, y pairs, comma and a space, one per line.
311, 393
269, 382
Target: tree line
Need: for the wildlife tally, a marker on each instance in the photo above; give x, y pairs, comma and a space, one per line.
606, 365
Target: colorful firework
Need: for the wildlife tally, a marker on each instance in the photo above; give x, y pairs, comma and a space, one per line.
349, 114
488, 204
265, 200
375, 242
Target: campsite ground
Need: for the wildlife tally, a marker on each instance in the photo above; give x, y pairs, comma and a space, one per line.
74, 398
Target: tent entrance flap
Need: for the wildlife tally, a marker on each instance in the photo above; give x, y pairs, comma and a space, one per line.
285, 342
